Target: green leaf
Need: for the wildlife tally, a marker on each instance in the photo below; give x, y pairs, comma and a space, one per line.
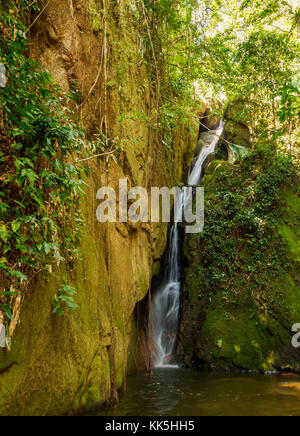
9, 294
18, 275
15, 226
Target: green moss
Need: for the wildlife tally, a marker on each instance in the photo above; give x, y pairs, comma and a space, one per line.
95, 13
239, 338
243, 275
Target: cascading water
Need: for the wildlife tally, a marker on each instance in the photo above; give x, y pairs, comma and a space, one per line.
166, 303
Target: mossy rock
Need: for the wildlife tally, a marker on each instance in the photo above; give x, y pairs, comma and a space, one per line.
60, 366
237, 129
242, 293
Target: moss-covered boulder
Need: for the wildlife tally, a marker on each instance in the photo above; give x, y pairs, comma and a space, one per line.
242, 293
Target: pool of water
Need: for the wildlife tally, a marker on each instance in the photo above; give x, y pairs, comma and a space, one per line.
183, 392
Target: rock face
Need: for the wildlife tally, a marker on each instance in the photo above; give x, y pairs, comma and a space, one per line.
69, 364
242, 293
237, 129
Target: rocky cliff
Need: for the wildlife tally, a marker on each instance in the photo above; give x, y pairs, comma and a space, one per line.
63, 365
242, 293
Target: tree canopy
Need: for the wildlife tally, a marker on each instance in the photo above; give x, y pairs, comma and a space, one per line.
236, 51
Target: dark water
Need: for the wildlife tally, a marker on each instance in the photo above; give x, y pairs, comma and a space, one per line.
182, 392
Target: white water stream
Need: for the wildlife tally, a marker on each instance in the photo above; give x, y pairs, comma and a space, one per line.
166, 303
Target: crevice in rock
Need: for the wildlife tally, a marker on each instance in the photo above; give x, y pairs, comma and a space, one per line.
5, 370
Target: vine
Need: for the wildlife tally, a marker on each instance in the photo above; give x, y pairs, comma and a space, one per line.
40, 187
241, 250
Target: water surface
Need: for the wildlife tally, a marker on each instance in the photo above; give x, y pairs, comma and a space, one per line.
183, 392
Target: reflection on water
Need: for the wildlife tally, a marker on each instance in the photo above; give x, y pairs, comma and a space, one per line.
182, 392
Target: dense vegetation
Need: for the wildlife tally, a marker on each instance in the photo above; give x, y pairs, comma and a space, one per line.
252, 55
40, 187
243, 275
245, 222
227, 51
242, 280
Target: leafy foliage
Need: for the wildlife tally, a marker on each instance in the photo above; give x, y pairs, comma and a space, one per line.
40, 187
241, 249
64, 300
229, 51
167, 31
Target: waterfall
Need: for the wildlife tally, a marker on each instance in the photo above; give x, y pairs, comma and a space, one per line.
2, 335
166, 302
